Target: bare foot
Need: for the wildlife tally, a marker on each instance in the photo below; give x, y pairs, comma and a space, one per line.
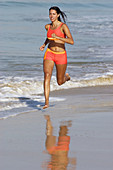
46, 106
67, 77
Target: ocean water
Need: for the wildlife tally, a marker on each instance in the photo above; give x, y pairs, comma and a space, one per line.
22, 32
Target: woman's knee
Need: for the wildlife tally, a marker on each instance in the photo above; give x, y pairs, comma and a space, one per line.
47, 75
60, 82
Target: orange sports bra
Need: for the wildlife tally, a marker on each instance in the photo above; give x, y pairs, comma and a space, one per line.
57, 31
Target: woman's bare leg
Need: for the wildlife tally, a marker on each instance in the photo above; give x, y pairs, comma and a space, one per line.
48, 68
62, 77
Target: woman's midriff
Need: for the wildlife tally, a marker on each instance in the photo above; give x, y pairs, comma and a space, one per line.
56, 46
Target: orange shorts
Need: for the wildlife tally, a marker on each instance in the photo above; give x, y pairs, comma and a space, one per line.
57, 57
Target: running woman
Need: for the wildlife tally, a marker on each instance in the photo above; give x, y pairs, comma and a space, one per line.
58, 34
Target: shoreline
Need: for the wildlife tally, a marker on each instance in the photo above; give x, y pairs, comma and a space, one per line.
61, 96
99, 97
87, 110
102, 88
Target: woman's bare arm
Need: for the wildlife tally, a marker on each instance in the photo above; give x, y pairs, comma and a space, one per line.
46, 41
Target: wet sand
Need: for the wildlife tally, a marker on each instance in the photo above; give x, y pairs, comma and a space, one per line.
85, 114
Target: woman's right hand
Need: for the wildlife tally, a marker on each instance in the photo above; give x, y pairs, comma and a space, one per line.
42, 47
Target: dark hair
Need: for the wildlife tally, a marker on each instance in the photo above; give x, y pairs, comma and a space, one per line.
59, 12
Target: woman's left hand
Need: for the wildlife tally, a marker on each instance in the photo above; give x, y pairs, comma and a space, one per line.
54, 35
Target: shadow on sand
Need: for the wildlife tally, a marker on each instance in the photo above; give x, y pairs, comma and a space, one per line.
32, 103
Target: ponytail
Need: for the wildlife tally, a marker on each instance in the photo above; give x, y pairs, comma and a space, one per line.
59, 12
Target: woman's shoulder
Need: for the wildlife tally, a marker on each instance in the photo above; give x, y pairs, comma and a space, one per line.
64, 24
47, 26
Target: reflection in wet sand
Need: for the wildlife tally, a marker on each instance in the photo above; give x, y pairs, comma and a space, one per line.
58, 150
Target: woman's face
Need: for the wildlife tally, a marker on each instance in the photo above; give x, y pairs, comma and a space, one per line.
53, 15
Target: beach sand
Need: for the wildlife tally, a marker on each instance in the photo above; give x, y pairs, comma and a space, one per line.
87, 113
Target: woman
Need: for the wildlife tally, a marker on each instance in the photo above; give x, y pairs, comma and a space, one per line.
58, 34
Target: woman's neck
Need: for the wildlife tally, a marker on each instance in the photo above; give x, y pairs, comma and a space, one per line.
55, 23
